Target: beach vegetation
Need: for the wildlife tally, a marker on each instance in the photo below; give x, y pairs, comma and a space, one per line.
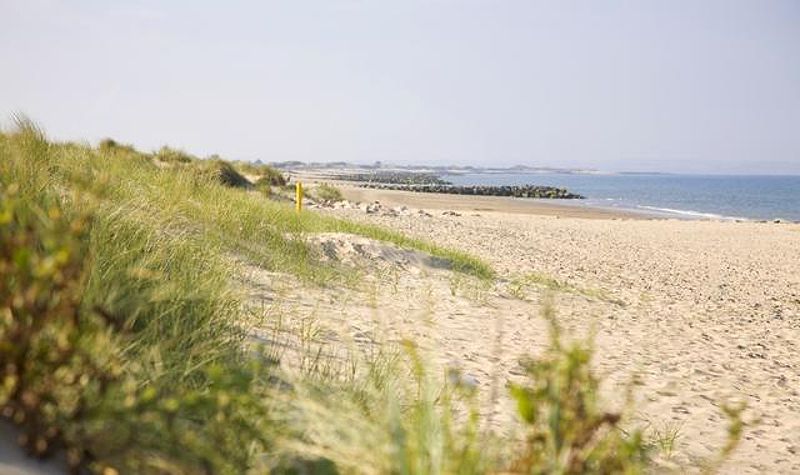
264, 186
174, 156
736, 426
326, 192
109, 145
664, 437
269, 175
393, 415
224, 173
112, 351
517, 287
569, 431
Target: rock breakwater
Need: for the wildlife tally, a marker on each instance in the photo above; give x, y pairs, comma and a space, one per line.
516, 191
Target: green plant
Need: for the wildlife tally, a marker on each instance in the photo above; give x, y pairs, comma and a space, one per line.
171, 155
665, 437
268, 174
224, 173
569, 432
266, 182
98, 356
517, 285
66, 381
735, 431
388, 415
109, 145
47, 371
327, 192
264, 186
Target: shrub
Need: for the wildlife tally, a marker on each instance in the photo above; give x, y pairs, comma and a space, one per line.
109, 145
81, 369
223, 173
171, 155
264, 185
568, 430
49, 375
326, 192
66, 382
273, 176
272, 180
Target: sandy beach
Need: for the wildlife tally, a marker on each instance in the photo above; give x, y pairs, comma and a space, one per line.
699, 313
480, 204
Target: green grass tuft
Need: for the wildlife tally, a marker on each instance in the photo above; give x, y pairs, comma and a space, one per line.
518, 284
225, 174
265, 173
170, 155
326, 192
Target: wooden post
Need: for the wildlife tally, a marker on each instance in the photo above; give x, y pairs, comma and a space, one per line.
299, 196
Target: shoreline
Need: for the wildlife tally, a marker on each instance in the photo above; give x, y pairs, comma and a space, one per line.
591, 208
558, 208
477, 204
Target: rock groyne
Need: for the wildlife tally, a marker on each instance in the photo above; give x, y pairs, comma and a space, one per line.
516, 191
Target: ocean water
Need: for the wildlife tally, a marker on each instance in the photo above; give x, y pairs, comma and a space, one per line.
689, 196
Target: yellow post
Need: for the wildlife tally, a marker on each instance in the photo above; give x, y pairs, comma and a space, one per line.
299, 197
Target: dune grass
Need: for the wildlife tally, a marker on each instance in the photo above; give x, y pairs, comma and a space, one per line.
264, 173
326, 192
152, 271
165, 154
519, 284
127, 352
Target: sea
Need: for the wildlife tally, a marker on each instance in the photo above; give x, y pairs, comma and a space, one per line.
744, 197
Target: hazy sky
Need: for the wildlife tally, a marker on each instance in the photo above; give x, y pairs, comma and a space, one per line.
697, 86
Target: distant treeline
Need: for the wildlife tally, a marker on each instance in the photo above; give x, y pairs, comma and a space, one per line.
395, 177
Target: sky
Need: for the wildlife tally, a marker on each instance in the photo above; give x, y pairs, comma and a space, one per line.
673, 86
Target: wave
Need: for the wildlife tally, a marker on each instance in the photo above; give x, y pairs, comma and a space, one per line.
691, 213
